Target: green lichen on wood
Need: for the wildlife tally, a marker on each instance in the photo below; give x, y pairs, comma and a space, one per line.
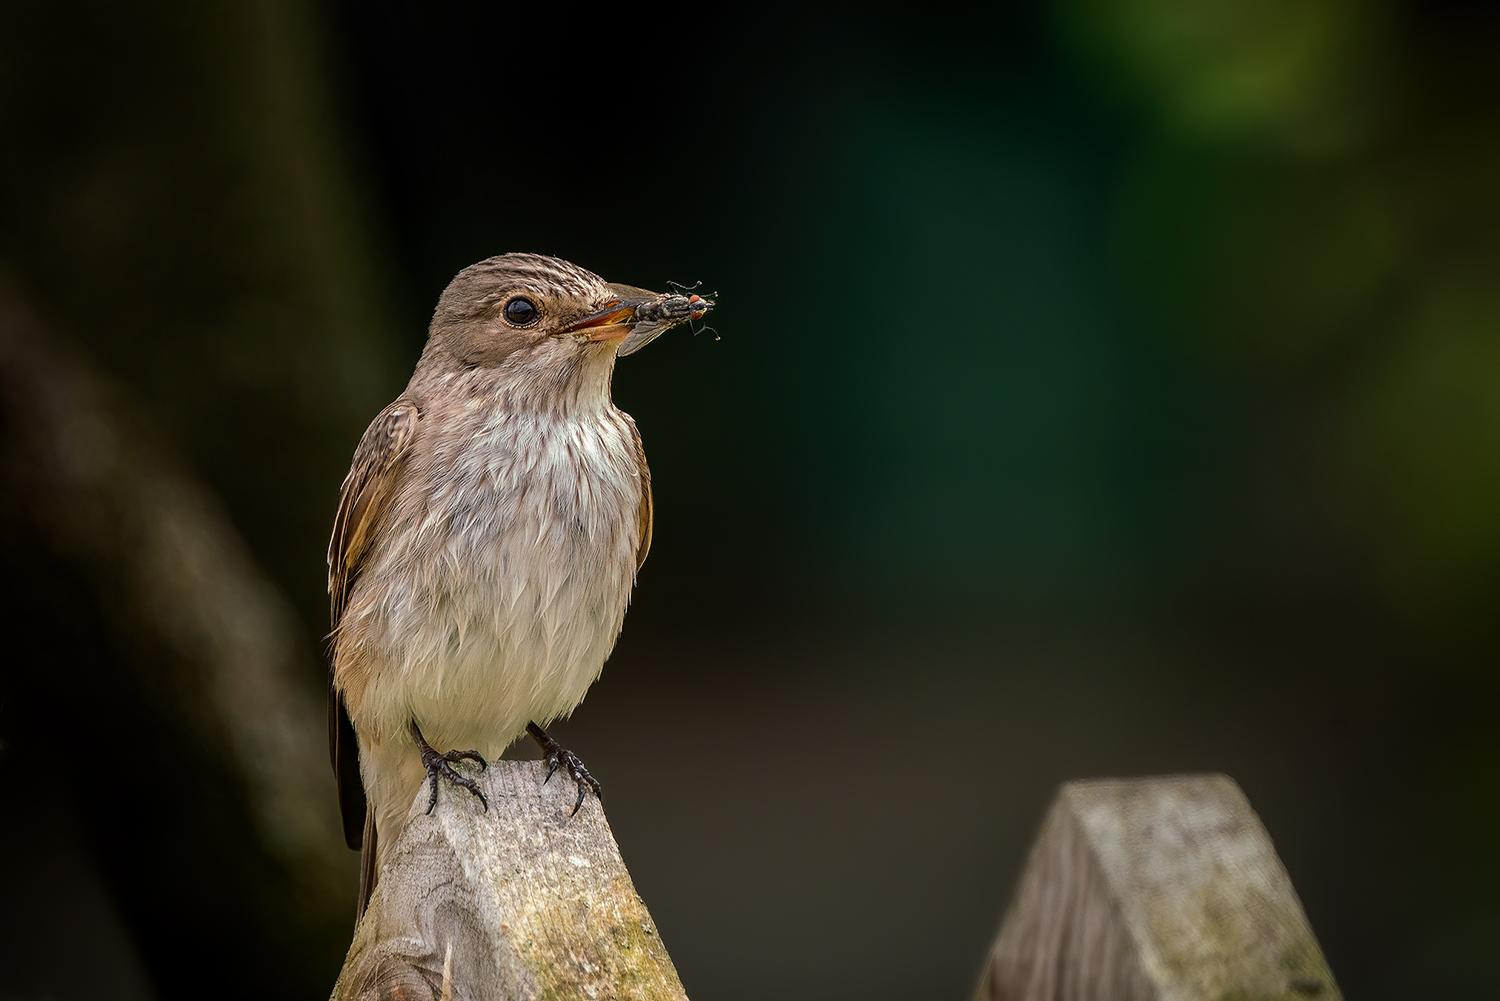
524, 902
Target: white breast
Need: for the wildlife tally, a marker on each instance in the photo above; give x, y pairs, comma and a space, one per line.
511, 576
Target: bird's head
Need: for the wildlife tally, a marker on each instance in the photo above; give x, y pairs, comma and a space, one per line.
525, 310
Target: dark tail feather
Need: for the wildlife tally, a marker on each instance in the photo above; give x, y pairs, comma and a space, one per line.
343, 748
367, 871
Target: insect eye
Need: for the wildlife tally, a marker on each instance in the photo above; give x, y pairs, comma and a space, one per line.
520, 311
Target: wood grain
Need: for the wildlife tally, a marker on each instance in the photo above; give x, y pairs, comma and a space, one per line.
521, 902
1155, 889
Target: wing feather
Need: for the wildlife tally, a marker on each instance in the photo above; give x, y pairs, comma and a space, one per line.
372, 480
645, 513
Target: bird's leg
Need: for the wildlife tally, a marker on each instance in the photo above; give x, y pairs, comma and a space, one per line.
438, 763
561, 756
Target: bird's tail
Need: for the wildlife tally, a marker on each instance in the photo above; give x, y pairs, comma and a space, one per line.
368, 869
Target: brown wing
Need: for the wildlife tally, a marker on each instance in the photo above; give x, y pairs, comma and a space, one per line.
644, 512
371, 481
367, 489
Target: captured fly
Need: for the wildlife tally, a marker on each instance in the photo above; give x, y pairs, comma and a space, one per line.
657, 315
674, 309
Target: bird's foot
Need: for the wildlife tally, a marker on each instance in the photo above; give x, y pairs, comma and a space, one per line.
438, 763
560, 757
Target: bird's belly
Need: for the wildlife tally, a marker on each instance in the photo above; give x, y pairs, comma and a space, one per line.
475, 673
509, 593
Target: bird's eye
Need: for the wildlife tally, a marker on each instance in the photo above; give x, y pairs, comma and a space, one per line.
520, 311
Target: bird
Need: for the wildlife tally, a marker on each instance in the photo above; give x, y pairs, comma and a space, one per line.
487, 538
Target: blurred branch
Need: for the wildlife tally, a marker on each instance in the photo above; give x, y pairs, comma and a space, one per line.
194, 628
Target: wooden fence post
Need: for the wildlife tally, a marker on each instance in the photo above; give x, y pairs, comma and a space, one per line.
1155, 889
522, 902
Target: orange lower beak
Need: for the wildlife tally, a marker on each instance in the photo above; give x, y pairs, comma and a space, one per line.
612, 323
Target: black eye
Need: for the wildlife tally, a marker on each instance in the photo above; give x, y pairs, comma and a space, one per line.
520, 311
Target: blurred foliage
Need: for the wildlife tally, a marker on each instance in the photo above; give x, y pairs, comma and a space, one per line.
1312, 197
1276, 72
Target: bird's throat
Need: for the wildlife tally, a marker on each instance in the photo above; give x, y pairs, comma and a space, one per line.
575, 384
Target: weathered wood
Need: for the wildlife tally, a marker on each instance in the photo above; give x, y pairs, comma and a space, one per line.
521, 902
1157, 888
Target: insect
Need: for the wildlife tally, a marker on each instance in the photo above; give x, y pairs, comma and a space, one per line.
687, 304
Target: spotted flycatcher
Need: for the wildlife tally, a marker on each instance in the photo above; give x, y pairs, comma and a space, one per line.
487, 537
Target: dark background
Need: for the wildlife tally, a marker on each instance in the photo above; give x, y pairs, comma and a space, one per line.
1100, 387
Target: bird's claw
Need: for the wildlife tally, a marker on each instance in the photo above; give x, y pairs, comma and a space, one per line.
560, 757
439, 763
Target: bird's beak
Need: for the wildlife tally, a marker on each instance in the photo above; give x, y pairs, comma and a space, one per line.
612, 323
